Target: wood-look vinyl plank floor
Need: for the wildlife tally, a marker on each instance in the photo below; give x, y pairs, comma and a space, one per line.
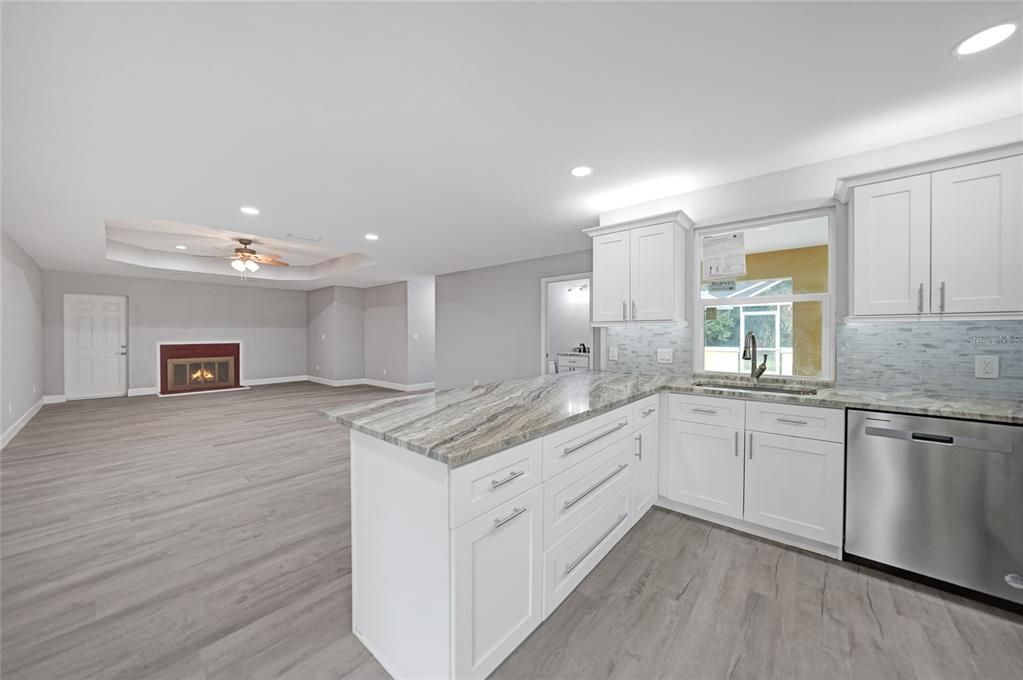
208, 538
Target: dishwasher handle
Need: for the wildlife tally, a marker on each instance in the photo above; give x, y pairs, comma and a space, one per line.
940, 439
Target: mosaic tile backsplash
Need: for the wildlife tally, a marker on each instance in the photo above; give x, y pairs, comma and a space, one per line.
930, 356
933, 356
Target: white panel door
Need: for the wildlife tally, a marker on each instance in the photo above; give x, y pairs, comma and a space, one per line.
95, 346
611, 277
977, 237
891, 246
652, 273
703, 467
497, 583
644, 479
795, 485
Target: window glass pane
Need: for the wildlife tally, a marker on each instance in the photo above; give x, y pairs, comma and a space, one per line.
762, 326
721, 327
786, 325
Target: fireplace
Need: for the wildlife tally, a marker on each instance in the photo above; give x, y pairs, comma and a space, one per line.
199, 367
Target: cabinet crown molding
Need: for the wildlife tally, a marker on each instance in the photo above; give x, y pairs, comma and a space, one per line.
676, 217
845, 185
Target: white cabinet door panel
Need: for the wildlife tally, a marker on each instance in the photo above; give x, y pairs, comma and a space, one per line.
891, 246
795, 485
977, 237
652, 273
611, 277
644, 478
497, 583
703, 467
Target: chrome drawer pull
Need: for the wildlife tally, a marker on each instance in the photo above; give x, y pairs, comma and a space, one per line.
572, 449
501, 521
708, 411
625, 314
596, 486
736, 443
570, 567
648, 411
495, 483
639, 446
791, 421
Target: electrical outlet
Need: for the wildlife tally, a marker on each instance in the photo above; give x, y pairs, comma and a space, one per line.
985, 366
415, 336
612, 353
10, 407
35, 390
664, 355
317, 368
323, 336
385, 371
475, 383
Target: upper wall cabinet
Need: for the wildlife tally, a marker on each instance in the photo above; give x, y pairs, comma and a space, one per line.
638, 270
948, 241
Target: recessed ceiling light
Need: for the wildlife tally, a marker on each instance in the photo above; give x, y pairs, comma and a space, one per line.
249, 210
181, 247
582, 171
371, 237
986, 39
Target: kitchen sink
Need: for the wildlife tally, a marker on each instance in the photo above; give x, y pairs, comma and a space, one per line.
776, 389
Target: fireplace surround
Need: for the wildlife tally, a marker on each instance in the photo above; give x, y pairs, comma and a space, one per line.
199, 367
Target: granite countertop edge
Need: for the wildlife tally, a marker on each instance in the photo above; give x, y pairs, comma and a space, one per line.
1010, 413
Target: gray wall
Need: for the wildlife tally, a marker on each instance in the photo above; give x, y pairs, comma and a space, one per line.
422, 315
21, 302
336, 333
386, 332
270, 323
488, 320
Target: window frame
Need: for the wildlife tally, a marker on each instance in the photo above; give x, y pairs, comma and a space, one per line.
827, 300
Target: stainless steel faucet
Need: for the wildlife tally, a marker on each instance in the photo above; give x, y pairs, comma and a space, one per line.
749, 353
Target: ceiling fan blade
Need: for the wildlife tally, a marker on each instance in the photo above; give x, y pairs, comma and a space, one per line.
273, 263
271, 260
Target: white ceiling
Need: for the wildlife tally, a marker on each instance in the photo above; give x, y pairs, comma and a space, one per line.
449, 129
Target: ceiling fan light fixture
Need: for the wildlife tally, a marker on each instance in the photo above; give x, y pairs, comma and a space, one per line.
238, 265
251, 266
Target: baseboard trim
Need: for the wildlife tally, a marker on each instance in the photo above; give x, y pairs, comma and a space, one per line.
252, 382
398, 386
141, 391
834, 552
192, 394
54, 398
21, 422
335, 383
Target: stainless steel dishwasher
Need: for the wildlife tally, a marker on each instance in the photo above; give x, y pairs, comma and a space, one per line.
941, 498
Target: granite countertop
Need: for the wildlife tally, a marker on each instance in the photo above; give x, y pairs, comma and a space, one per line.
458, 426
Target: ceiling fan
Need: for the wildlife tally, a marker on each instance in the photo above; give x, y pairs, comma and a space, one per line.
245, 259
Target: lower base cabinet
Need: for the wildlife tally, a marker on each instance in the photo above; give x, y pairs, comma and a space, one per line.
497, 571
795, 485
644, 479
703, 467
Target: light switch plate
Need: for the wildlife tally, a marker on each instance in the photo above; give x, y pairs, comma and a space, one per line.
664, 355
612, 353
985, 366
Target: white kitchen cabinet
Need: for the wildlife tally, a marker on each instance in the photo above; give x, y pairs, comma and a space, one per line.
611, 277
795, 485
977, 237
646, 458
703, 467
497, 583
891, 246
638, 270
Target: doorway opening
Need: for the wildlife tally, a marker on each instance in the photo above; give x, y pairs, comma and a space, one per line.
568, 343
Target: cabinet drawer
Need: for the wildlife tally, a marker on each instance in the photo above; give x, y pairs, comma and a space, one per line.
573, 496
813, 422
578, 362
645, 411
571, 446
707, 410
568, 562
484, 484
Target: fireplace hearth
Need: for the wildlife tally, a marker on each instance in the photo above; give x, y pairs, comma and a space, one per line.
199, 367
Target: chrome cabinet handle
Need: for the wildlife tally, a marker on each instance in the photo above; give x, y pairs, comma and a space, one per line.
648, 411
501, 521
942, 296
570, 567
708, 411
736, 443
633, 310
625, 311
639, 448
495, 483
751, 446
572, 449
792, 421
920, 299
596, 486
